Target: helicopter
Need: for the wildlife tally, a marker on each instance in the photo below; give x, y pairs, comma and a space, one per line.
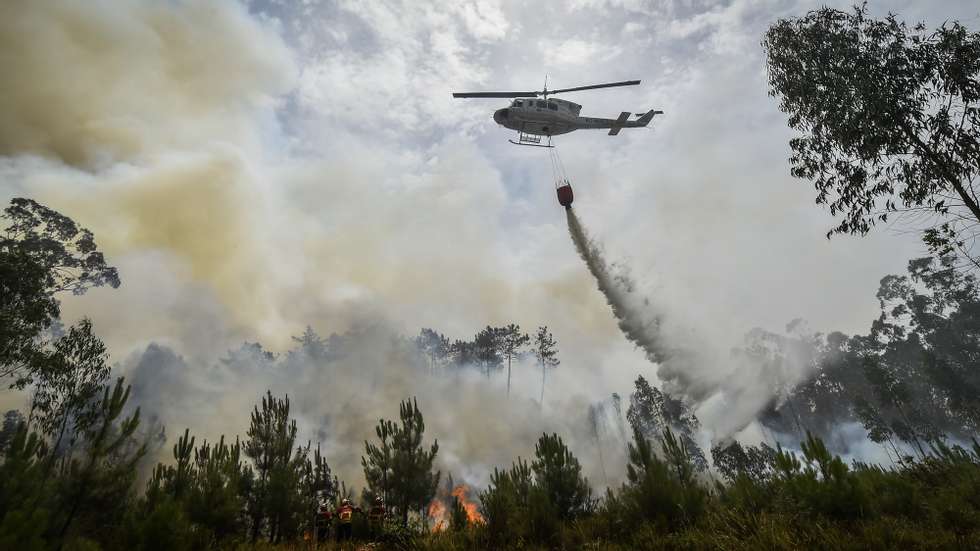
534, 118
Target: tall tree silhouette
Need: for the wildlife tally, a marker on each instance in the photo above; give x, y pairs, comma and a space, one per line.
269, 445
489, 343
545, 352
513, 340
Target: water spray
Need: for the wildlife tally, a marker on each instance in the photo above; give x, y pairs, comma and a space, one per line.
617, 289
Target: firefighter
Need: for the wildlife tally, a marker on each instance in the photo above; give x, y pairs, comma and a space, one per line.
376, 517
345, 519
323, 517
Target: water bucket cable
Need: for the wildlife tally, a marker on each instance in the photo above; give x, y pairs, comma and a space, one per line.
558, 168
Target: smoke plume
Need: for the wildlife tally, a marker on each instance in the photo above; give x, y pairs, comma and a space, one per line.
727, 389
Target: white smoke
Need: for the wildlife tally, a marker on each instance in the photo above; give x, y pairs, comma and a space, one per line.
339, 394
727, 390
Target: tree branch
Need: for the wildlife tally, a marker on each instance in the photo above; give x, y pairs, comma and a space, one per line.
943, 169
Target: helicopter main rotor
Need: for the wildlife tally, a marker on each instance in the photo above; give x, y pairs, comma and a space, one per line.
543, 93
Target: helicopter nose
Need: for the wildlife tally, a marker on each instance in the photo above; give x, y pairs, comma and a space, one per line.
499, 116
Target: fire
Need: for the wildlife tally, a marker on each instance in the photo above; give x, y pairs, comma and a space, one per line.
472, 514
439, 512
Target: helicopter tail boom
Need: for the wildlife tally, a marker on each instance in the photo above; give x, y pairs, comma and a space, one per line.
617, 125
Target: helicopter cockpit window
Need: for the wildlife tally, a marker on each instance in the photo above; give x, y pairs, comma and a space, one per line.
552, 106
517, 103
542, 104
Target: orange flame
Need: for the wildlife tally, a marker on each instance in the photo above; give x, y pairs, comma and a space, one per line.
472, 513
439, 513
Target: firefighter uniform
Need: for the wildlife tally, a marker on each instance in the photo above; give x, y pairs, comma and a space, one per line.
345, 520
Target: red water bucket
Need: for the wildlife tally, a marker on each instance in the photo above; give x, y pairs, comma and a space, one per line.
565, 195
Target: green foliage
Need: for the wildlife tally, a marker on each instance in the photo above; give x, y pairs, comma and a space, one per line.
734, 460
24, 529
653, 412
506, 501
531, 502
911, 381
488, 347
67, 251
24, 518
887, 112
274, 504
27, 309
558, 474
216, 498
661, 491
378, 463
165, 527
821, 483
42, 252
400, 468
96, 485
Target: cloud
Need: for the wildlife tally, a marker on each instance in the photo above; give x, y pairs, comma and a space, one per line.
406, 53
578, 52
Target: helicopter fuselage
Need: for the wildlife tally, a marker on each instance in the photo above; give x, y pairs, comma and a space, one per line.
541, 117
552, 117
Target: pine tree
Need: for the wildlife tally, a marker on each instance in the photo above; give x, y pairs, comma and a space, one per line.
512, 341
661, 488
546, 353
311, 345
378, 463
216, 498
400, 469
488, 344
106, 470
558, 473
271, 436
434, 346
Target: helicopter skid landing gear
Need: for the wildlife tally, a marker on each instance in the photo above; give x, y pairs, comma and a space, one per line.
530, 140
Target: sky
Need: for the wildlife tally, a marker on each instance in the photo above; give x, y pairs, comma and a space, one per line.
254, 168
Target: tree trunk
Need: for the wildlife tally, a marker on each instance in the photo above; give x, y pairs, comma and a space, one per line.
541, 400
508, 375
86, 476
256, 524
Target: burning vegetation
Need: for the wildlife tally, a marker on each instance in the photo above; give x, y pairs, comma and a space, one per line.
453, 508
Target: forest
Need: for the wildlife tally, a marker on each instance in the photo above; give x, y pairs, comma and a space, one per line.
83, 467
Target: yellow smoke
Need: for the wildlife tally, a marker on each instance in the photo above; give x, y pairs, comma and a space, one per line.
90, 83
